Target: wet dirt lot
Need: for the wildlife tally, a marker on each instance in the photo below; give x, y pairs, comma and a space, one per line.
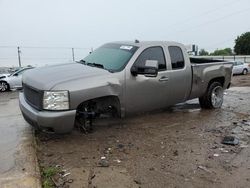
17, 154
8, 128
178, 147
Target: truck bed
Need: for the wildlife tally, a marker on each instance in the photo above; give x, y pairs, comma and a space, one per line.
204, 60
204, 70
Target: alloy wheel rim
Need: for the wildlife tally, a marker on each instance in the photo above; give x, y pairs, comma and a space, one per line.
217, 97
3, 86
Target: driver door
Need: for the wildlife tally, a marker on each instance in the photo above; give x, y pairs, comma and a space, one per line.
144, 93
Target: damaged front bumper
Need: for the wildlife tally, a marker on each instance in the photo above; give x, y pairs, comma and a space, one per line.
58, 121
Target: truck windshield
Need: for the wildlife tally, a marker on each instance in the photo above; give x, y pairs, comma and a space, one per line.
111, 56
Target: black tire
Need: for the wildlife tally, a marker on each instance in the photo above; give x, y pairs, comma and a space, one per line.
213, 97
245, 71
4, 86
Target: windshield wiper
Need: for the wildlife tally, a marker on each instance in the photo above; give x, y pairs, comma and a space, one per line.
91, 64
94, 65
82, 61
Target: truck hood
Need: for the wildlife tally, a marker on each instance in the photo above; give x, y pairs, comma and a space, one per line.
46, 78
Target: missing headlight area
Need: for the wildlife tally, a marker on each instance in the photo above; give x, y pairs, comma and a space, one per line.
103, 107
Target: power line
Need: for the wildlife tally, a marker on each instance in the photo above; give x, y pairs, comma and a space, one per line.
215, 20
205, 13
8, 46
46, 47
222, 42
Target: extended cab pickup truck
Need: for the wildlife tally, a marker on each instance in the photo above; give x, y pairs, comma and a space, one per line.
120, 79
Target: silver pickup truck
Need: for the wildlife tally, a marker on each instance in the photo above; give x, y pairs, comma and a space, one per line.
120, 79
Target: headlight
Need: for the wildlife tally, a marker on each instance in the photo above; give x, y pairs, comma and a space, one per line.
56, 100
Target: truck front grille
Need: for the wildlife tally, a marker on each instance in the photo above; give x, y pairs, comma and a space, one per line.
33, 96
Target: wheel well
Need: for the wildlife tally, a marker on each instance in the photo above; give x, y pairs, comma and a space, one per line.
221, 80
103, 104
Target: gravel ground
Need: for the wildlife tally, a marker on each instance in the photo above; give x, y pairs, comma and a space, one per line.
178, 147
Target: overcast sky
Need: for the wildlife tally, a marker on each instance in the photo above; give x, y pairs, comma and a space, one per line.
90, 23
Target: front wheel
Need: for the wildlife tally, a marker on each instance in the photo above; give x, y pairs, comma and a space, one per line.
213, 98
244, 72
4, 86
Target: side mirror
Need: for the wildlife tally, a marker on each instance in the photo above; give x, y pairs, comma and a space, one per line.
15, 74
149, 70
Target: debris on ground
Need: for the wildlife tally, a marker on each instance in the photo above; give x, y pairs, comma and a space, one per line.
230, 140
59, 177
223, 150
137, 181
103, 162
57, 181
91, 177
117, 160
204, 168
66, 174
120, 146
175, 153
107, 151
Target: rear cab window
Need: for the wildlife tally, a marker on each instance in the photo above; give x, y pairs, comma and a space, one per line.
177, 58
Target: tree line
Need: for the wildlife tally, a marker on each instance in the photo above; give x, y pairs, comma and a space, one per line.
241, 47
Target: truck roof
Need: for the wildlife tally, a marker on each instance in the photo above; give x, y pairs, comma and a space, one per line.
147, 43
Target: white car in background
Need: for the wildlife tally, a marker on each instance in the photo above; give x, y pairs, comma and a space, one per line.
12, 81
240, 68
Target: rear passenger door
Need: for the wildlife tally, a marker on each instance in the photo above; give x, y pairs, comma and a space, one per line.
180, 75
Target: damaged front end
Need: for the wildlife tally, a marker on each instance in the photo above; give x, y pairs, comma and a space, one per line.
103, 107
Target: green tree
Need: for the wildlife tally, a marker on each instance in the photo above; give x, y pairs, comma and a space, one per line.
242, 44
203, 52
224, 52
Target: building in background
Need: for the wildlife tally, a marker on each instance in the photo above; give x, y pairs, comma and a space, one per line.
192, 49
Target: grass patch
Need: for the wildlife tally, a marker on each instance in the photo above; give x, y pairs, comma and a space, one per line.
47, 174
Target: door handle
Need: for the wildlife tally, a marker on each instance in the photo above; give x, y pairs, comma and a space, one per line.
163, 79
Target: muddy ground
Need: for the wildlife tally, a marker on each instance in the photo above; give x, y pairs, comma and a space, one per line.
178, 147
241, 81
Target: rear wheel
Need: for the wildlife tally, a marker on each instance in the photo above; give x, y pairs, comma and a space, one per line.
244, 72
4, 86
213, 98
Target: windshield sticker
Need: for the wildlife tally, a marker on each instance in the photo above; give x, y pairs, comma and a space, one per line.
126, 47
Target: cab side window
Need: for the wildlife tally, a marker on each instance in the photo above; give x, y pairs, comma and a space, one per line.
152, 53
177, 58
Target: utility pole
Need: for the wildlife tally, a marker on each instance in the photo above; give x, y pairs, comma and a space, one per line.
19, 56
73, 54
